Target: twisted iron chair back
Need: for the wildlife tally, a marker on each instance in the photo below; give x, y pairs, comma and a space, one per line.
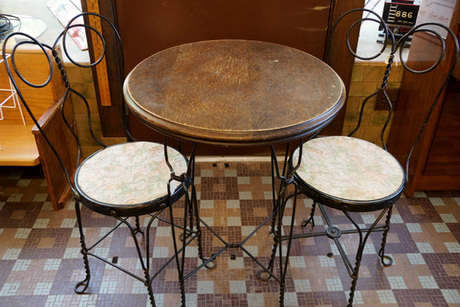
333, 170
397, 47
175, 173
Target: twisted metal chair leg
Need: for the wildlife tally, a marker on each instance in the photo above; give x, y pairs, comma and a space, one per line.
354, 282
138, 226
84, 251
311, 218
148, 284
381, 253
144, 264
186, 234
354, 273
211, 264
354, 276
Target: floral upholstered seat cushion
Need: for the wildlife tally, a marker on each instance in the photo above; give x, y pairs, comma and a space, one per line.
129, 173
350, 168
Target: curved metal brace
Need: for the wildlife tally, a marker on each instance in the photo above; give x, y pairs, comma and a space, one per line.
453, 37
388, 34
33, 41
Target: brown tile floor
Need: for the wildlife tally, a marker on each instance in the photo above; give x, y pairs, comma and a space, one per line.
40, 261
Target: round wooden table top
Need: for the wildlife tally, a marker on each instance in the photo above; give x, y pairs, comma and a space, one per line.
234, 92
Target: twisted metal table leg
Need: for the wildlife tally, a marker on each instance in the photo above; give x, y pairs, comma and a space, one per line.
284, 267
276, 243
180, 263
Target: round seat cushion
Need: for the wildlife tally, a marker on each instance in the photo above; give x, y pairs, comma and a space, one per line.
129, 173
349, 168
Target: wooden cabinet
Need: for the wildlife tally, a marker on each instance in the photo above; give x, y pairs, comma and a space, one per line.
444, 156
435, 164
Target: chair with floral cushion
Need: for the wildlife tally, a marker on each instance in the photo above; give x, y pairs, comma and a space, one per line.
124, 181
353, 175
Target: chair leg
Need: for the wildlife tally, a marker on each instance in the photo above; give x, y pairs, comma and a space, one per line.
186, 234
311, 218
354, 274
354, 281
190, 216
381, 253
194, 204
84, 251
148, 284
138, 226
144, 264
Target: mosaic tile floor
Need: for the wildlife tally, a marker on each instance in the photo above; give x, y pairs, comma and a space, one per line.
40, 261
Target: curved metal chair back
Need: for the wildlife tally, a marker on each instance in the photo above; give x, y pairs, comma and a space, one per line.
147, 190
451, 60
388, 42
52, 53
392, 46
353, 175
64, 100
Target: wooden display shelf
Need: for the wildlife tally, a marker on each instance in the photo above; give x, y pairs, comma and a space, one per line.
17, 146
24, 145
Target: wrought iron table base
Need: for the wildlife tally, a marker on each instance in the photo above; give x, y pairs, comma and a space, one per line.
279, 202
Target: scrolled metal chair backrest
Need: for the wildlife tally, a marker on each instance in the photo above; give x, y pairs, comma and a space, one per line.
26, 39
427, 27
388, 41
394, 46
